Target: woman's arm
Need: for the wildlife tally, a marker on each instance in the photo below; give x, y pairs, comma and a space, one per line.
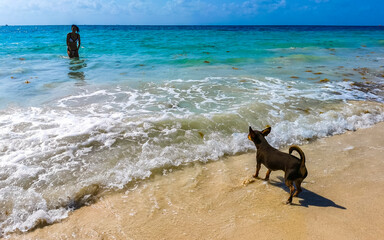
79, 41
68, 41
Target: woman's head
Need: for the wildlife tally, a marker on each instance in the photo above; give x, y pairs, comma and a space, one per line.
75, 28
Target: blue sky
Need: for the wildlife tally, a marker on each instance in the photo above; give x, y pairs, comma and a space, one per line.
254, 12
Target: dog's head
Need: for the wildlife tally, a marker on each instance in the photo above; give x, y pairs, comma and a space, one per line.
258, 137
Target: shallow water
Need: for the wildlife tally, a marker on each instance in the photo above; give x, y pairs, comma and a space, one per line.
142, 98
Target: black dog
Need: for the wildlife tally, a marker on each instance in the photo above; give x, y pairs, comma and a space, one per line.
273, 159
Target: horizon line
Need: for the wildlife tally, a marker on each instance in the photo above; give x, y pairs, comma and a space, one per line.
280, 25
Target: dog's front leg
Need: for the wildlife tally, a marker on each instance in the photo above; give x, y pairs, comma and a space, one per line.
258, 166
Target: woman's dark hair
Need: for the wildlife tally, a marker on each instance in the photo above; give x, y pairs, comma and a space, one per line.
77, 28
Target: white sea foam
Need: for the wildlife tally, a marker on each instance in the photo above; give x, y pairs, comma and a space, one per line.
53, 155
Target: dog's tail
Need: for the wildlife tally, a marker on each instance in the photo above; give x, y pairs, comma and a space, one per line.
303, 169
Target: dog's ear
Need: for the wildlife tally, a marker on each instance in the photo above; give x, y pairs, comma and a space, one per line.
266, 131
253, 136
251, 133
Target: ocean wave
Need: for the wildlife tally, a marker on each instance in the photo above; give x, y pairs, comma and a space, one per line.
54, 157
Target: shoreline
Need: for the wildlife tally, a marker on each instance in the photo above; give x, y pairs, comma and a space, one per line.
341, 199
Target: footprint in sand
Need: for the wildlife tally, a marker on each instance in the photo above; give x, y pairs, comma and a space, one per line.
248, 181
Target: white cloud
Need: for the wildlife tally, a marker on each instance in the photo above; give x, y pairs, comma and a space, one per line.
253, 7
151, 6
189, 7
249, 7
58, 6
133, 11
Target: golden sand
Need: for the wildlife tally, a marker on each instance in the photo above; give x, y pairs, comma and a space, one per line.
342, 199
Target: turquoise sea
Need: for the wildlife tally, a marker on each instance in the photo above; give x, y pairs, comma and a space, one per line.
143, 99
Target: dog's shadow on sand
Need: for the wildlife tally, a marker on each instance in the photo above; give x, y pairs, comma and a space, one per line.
307, 197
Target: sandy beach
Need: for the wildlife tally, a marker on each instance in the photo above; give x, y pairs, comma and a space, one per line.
342, 199
148, 138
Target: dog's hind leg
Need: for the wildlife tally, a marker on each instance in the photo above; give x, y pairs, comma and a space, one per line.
258, 166
267, 175
298, 186
289, 184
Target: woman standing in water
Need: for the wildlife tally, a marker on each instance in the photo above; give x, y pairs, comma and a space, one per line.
73, 42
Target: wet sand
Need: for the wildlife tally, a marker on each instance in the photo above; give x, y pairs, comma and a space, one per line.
342, 199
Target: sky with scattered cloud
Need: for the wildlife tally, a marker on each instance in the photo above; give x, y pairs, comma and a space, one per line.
156, 12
